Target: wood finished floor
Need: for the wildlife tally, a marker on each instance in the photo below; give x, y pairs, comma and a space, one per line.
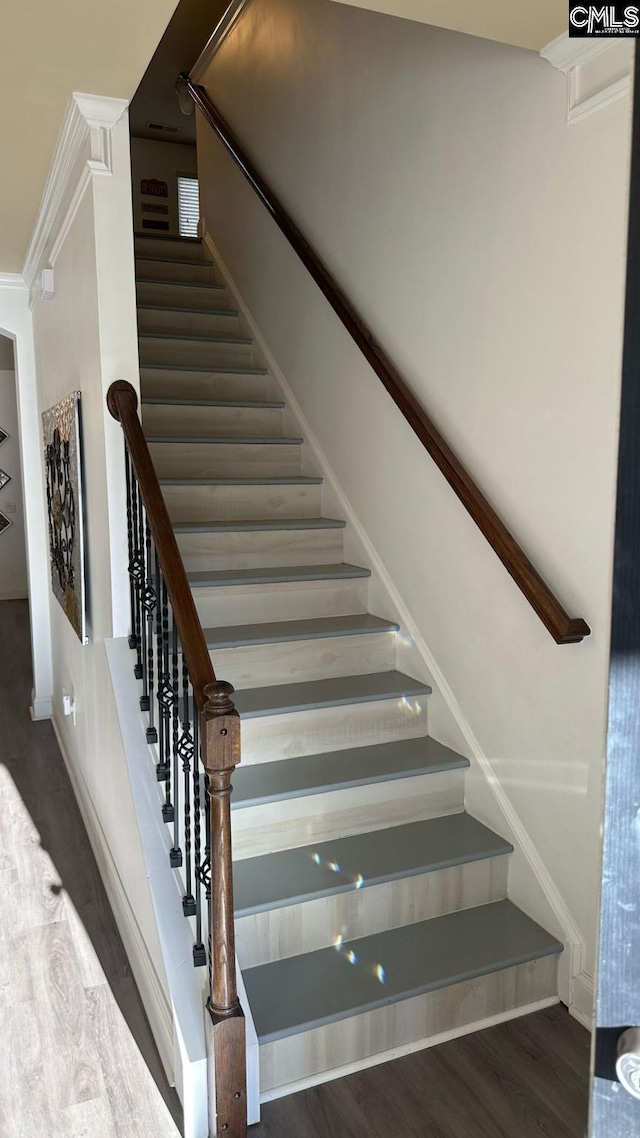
522, 1079
73, 1031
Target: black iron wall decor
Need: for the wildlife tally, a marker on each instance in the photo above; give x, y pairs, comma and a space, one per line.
61, 427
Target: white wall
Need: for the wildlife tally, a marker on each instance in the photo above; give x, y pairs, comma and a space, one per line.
484, 241
13, 559
164, 161
85, 338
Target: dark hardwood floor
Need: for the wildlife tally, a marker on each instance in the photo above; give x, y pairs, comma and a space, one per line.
522, 1079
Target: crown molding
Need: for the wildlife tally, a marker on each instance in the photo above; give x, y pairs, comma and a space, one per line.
82, 151
217, 38
598, 71
12, 280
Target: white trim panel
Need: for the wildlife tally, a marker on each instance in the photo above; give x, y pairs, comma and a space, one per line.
598, 71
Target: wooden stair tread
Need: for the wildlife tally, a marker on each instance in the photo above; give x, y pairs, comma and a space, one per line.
286, 631
209, 369
305, 775
335, 692
183, 401
249, 440
274, 575
304, 992
174, 260
275, 480
199, 338
291, 877
255, 525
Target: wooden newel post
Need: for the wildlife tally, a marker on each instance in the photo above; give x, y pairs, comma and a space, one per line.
220, 736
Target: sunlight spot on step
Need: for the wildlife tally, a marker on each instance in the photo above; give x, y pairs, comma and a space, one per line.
351, 957
380, 973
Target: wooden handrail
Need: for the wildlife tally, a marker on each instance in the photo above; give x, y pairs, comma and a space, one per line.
220, 754
563, 628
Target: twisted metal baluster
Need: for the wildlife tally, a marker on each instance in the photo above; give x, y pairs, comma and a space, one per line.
186, 750
162, 771
175, 855
199, 953
165, 695
133, 639
142, 586
150, 599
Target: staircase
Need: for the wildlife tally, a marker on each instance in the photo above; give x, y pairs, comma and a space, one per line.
371, 910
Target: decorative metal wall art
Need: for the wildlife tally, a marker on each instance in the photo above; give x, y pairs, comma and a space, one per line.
62, 459
4, 478
3, 435
5, 522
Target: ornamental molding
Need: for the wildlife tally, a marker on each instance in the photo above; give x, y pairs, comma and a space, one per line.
83, 151
598, 71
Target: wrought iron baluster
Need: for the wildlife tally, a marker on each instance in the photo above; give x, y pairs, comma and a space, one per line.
161, 769
142, 586
175, 855
150, 600
135, 573
199, 953
133, 639
186, 751
165, 697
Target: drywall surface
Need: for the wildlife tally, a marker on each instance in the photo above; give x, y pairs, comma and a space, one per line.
13, 559
484, 241
509, 21
85, 337
161, 162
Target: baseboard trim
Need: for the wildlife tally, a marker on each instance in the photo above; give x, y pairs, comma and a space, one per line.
407, 1049
41, 708
146, 977
582, 1005
563, 923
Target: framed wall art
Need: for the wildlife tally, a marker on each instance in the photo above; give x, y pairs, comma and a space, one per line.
63, 472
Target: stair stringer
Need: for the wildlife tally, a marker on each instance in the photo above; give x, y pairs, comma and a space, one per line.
531, 886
